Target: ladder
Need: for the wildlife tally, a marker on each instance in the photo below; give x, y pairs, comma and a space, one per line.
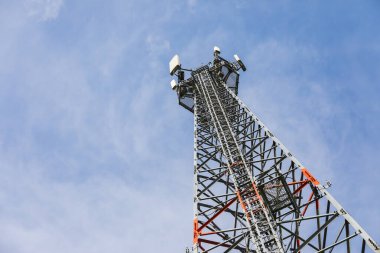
260, 223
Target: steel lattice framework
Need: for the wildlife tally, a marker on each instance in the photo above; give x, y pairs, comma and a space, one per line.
250, 192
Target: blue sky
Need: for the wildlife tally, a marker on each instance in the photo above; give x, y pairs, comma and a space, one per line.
95, 153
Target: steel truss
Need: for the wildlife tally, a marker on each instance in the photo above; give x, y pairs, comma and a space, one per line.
250, 193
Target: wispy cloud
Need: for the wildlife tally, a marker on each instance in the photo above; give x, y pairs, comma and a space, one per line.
192, 3
44, 10
156, 44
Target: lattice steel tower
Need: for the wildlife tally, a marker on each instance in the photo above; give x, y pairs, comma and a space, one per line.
250, 193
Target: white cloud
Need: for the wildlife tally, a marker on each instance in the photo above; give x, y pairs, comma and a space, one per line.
156, 44
192, 3
44, 9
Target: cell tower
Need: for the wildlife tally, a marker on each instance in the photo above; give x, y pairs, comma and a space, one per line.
251, 194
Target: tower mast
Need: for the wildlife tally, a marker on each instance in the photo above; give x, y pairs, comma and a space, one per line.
250, 192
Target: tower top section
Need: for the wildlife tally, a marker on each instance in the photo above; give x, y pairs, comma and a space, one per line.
220, 69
